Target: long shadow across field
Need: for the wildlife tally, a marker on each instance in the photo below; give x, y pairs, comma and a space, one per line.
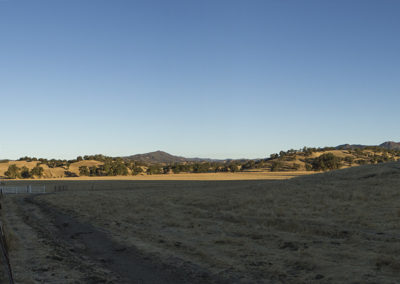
95, 185
129, 263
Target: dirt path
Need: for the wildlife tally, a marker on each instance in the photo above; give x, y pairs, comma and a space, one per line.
49, 246
36, 253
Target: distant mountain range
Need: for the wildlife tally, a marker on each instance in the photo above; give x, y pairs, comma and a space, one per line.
161, 157
389, 145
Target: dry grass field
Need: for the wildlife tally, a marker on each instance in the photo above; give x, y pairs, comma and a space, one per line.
288, 164
58, 172
75, 181
336, 227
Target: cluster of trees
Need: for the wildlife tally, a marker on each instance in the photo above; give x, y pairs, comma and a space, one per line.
116, 167
205, 167
329, 161
121, 167
256, 164
14, 172
325, 162
374, 159
284, 160
107, 159
52, 163
377, 149
55, 163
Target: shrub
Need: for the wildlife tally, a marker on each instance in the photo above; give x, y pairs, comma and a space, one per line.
25, 173
349, 159
137, 170
154, 170
84, 171
326, 162
37, 171
276, 166
70, 174
309, 167
13, 172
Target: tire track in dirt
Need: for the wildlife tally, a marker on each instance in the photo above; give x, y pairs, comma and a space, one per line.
88, 243
40, 257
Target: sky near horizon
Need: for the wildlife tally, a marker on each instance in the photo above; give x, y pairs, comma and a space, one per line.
218, 79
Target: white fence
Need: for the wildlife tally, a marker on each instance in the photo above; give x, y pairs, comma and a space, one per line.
22, 189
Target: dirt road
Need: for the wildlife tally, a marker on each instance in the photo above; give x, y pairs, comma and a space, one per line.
48, 246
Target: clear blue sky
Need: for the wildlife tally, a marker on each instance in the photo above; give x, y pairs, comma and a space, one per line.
196, 78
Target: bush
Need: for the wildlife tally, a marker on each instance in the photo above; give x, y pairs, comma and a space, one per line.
326, 162
276, 166
233, 168
70, 174
309, 167
274, 156
137, 170
37, 172
349, 159
13, 172
154, 170
25, 173
84, 171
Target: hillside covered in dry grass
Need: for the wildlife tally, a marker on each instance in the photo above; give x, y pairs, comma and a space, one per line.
306, 159
335, 227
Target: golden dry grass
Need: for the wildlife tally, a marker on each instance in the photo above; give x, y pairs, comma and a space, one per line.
183, 176
4, 166
59, 173
74, 167
337, 227
49, 172
338, 153
288, 166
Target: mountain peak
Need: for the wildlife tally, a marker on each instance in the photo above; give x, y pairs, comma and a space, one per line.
157, 157
390, 145
161, 157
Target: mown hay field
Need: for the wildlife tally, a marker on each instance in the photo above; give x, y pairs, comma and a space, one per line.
337, 227
252, 175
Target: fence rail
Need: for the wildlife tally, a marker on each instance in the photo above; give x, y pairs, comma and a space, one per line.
22, 189
5, 257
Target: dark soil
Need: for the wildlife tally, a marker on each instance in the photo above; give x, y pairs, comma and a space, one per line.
127, 264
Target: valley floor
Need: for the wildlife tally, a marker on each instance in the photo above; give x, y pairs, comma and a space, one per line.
249, 175
49, 246
338, 227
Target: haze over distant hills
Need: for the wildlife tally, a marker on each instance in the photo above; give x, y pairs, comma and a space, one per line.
161, 157
164, 157
159, 162
389, 145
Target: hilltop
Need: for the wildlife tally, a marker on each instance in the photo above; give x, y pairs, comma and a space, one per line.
161, 157
159, 162
329, 158
157, 157
389, 145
